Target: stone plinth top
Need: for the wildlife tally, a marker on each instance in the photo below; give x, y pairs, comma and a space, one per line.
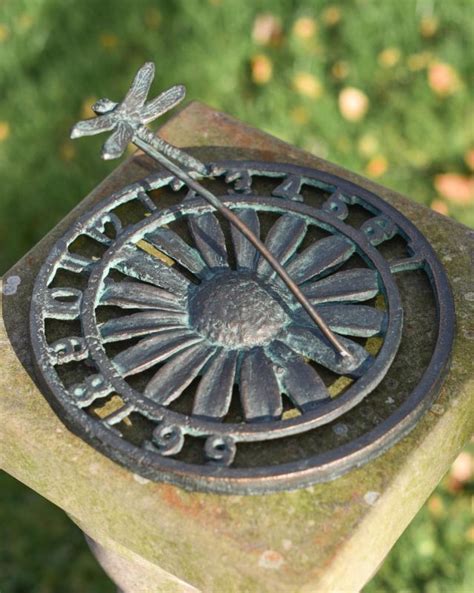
329, 537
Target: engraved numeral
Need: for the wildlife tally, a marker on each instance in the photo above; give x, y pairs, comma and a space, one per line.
97, 231
406, 264
167, 438
289, 189
379, 229
76, 263
242, 179
336, 206
90, 389
146, 201
68, 349
62, 303
220, 450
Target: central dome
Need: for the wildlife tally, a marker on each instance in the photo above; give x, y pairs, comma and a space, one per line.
236, 310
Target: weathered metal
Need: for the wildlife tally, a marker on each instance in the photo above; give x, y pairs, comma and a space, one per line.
128, 119
169, 343
226, 328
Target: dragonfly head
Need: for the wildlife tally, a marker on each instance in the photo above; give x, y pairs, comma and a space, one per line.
103, 106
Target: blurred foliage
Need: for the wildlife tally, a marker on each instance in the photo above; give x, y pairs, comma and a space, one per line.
436, 553
284, 66
41, 550
379, 87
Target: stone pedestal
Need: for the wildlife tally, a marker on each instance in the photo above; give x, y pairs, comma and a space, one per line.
331, 537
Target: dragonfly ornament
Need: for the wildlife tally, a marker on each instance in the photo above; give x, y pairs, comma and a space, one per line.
128, 118
127, 122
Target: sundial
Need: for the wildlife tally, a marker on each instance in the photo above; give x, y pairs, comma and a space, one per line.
206, 325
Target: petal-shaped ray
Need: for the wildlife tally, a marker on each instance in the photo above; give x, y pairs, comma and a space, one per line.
209, 238
358, 284
138, 92
173, 378
322, 256
163, 103
95, 125
282, 240
245, 252
352, 320
153, 350
118, 141
171, 243
259, 389
298, 379
213, 396
139, 324
138, 295
150, 269
312, 344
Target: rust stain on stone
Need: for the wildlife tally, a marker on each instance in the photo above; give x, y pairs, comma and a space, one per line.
172, 497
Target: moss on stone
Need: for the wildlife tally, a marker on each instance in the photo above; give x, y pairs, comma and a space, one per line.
330, 536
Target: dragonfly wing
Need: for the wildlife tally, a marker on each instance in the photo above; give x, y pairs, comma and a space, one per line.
95, 125
163, 103
117, 142
137, 94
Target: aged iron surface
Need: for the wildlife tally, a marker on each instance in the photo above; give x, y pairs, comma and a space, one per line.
128, 119
168, 341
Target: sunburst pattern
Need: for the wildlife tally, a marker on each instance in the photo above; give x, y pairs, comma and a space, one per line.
237, 325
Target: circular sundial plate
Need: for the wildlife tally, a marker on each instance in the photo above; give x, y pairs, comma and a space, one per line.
169, 344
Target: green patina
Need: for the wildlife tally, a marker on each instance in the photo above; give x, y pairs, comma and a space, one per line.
277, 542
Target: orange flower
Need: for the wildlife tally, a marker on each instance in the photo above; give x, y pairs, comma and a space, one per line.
458, 189
461, 472
261, 69
331, 15
443, 79
307, 85
435, 505
305, 27
353, 104
428, 26
377, 166
463, 467
389, 57
267, 29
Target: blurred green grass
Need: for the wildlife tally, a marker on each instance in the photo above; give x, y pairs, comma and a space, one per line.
41, 550
55, 54
280, 65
